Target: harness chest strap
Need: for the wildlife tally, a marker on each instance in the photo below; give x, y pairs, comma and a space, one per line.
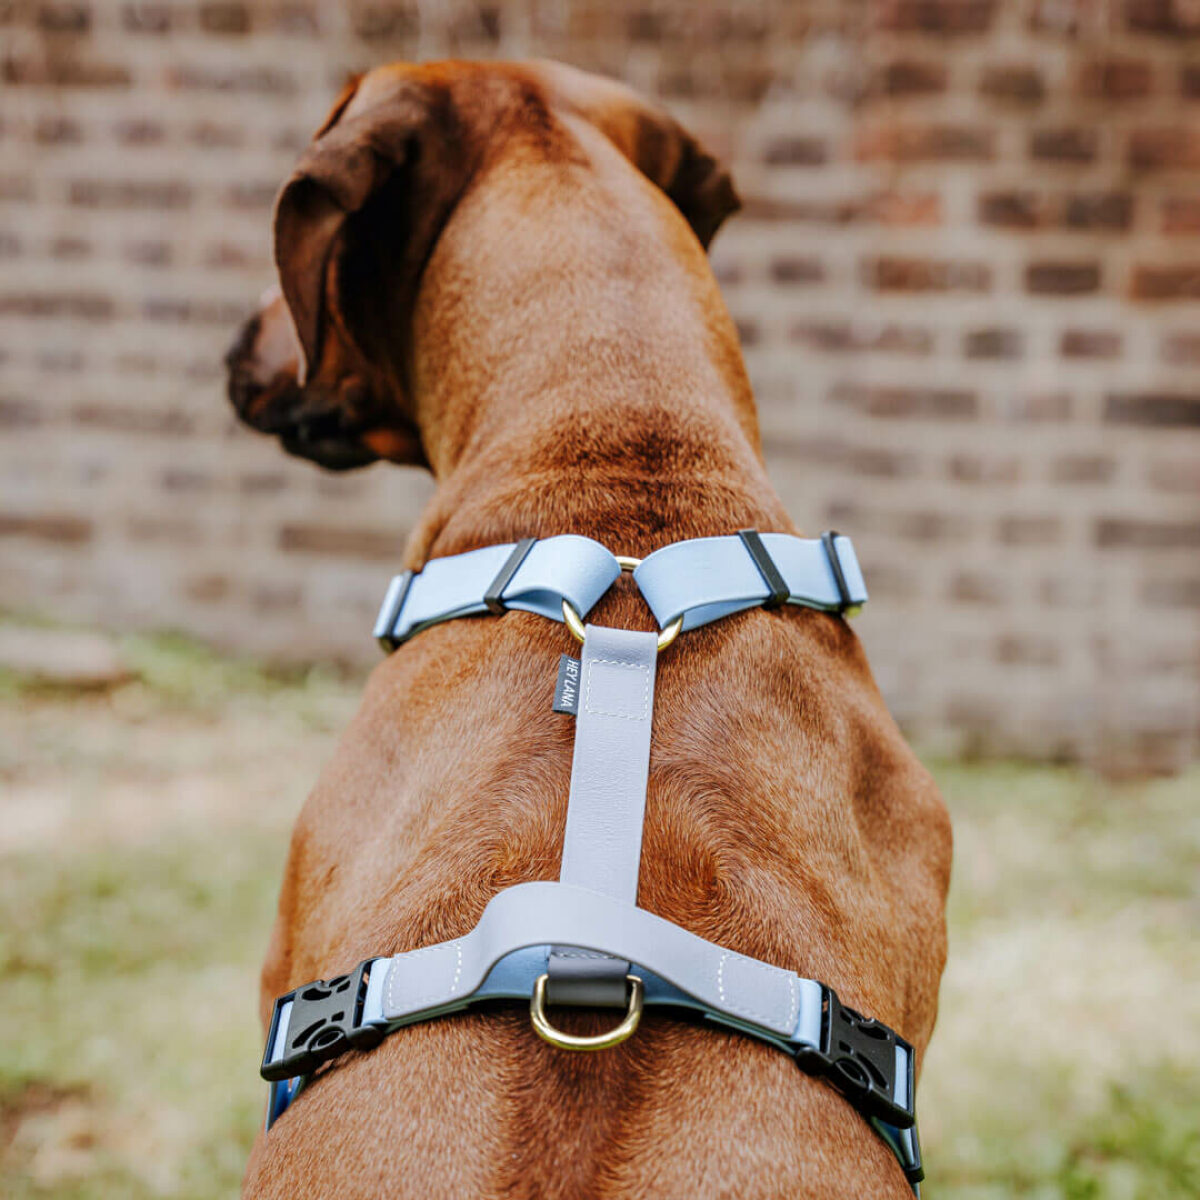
699, 580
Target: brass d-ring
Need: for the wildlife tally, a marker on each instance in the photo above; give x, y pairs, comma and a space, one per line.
569, 1041
574, 621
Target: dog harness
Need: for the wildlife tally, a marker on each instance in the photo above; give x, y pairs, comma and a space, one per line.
582, 940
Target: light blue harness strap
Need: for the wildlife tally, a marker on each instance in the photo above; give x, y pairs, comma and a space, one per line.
602, 846
707, 578
566, 567
440, 978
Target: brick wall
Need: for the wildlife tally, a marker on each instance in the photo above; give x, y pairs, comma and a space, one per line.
967, 278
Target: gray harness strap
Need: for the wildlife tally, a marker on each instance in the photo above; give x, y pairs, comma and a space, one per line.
602, 847
574, 941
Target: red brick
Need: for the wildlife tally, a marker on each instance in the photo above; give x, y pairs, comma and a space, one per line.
222, 17
1181, 282
244, 81
1116, 79
1099, 210
853, 337
1177, 475
925, 143
1170, 409
979, 587
797, 152
1029, 530
207, 589
993, 344
1027, 650
1170, 149
1189, 81
71, 249
1062, 278
1181, 214
795, 269
1083, 468
46, 527
19, 414
1169, 18
889, 274
129, 194
879, 401
1014, 209
984, 468
947, 17
118, 418
89, 306
64, 18
1172, 593
910, 77
57, 130
1090, 343
1182, 349
1069, 145
375, 545
139, 132
1134, 533
1014, 84
63, 72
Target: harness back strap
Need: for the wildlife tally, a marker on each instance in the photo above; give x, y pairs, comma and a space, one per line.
602, 847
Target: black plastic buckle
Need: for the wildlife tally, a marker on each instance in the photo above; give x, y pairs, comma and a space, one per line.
858, 1057
323, 1024
829, 541
493, 596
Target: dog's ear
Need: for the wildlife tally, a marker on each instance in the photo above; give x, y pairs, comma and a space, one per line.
653, 141
355, 158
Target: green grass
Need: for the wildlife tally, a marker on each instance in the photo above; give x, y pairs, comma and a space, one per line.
141, 838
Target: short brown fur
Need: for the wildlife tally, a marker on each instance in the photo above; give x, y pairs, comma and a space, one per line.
499, 271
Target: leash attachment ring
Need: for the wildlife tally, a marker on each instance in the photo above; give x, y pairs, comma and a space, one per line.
574, 622
599, 1041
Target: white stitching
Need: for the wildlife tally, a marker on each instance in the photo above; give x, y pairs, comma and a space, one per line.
766, 1018
612, 662
416, 1002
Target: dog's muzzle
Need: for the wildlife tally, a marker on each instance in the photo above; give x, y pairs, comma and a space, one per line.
310, 422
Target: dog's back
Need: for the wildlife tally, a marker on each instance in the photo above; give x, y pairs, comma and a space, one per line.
567, 366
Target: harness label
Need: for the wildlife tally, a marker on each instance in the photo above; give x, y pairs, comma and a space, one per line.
566, 690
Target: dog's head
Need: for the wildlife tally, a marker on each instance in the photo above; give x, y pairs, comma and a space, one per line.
322, 364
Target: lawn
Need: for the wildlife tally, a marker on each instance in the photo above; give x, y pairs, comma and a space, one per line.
142, 831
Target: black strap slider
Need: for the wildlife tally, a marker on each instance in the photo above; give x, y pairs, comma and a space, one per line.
492, 597
829, 541
322, 1023
858, 1057
776, 584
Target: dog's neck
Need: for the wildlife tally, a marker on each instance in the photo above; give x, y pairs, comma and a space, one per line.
569, 333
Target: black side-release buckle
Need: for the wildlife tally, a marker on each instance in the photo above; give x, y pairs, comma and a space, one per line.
323, 1023
858, 1056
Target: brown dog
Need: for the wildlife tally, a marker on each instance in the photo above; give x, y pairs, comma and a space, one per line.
499, 271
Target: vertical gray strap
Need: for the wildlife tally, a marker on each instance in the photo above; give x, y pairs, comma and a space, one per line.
602, 848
